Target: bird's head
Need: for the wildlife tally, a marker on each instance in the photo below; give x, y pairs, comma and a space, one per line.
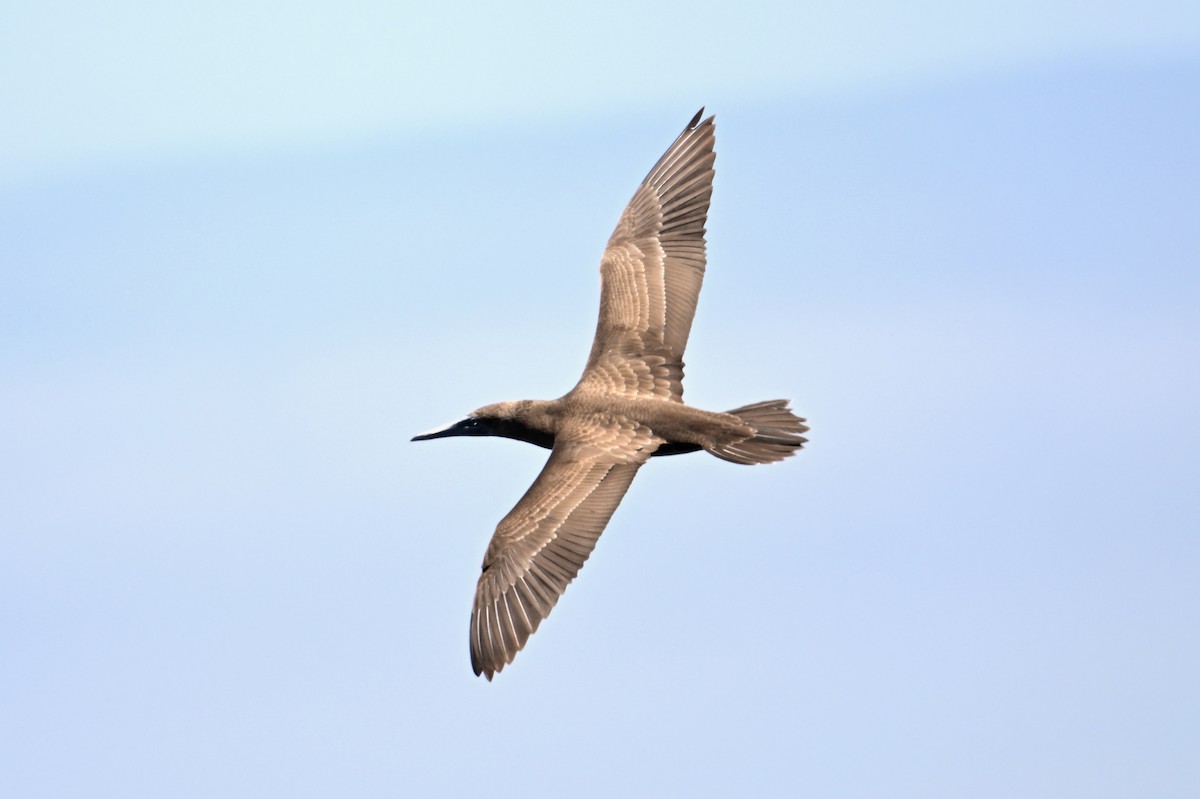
520, 420
490, 420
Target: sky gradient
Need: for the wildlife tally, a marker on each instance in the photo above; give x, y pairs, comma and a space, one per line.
243, 260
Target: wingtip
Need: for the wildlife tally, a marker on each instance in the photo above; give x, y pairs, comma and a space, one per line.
481, 668
697, 122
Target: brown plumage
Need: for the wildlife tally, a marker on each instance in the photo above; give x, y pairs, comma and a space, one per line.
627, 406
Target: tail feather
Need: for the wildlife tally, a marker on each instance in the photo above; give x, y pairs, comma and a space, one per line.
777, 434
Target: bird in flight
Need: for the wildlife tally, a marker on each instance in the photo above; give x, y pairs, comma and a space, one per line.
626, 408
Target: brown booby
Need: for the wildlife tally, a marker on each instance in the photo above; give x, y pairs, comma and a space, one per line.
626, 408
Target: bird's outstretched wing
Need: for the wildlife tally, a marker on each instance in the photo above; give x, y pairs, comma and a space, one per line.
539, 547
651, 274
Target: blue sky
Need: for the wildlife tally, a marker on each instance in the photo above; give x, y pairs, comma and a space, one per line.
243, 258
132, 80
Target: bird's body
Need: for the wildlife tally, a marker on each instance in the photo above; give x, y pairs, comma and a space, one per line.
674, 424
626, 408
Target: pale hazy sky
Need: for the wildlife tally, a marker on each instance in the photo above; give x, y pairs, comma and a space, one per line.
132, 79
246, 254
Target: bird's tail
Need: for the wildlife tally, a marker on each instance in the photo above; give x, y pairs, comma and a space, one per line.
776, 434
